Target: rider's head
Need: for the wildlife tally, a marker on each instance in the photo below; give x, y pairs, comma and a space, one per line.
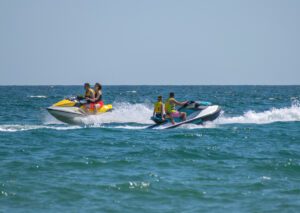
172, 94
87, 86
159, 98
98, 86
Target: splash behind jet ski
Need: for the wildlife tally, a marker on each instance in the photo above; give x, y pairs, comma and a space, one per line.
71, 110
197, 112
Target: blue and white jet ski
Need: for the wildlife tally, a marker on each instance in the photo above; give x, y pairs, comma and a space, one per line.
197, 112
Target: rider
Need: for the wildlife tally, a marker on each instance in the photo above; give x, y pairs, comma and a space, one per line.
89, 97
97, 101
170, 108
159, 108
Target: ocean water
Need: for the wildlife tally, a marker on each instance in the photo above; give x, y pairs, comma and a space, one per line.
248, 160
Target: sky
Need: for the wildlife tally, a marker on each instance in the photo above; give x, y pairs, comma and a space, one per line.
157, 42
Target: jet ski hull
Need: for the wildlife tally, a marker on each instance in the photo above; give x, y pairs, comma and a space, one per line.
70, 115
71, 110
209, 114
194, 116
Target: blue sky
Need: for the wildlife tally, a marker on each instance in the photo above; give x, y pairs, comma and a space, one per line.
150, 42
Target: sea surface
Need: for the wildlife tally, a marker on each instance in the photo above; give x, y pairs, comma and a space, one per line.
248, 160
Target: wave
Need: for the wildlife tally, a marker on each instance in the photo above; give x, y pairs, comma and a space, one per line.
130, 127
131, 91
37, 96
141, 113
286, 114
122, 113
127, 113
21, 128
18, 128
206, 125
137, 116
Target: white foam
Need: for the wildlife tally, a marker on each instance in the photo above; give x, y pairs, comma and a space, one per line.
122, 113
18, 128
132, 91
37, 96
130, 127
206, 125
265, 178
140, 185
126, 113
286, 114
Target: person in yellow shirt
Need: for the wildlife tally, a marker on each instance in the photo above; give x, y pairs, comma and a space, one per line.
89, 96
159, 108
171, 111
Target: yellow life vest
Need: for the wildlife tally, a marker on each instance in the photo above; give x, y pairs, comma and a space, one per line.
89, 93
158, 107
170, 107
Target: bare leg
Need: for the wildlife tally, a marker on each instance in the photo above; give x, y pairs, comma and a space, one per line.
172, 120
97, 106
86, 108
183, 116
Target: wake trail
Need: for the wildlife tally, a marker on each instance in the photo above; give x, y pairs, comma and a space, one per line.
286, 114
27, 127
122, 113
137, 116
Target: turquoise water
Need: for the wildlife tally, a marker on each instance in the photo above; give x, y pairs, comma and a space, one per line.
246, 161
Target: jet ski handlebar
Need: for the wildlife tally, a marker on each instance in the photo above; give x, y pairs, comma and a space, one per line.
77, 99
194, 104
188, 103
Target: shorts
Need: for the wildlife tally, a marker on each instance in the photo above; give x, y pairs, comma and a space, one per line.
99, 104
176, 114
158, 115
92, 105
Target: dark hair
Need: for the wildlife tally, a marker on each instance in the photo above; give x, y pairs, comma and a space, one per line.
159, 97
98, 85
87, 85
172, 94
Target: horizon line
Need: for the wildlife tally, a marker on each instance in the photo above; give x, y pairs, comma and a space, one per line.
3, 85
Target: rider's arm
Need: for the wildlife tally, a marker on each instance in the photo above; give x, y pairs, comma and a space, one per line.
96, 98
92, 98
163, 111
179, 103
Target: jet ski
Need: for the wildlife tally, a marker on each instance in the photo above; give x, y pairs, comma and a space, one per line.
197, 112
71, 110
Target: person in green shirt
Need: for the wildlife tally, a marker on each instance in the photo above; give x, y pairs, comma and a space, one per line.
171, 111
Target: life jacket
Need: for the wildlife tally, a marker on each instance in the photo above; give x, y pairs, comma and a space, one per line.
170, 107
158, 107
89, 93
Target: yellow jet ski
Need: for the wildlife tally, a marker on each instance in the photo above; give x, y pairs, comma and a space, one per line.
71, 110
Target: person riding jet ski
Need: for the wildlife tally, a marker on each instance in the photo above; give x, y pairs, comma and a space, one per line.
89, 97
158, 111
171, 110
71, 110
97, 102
